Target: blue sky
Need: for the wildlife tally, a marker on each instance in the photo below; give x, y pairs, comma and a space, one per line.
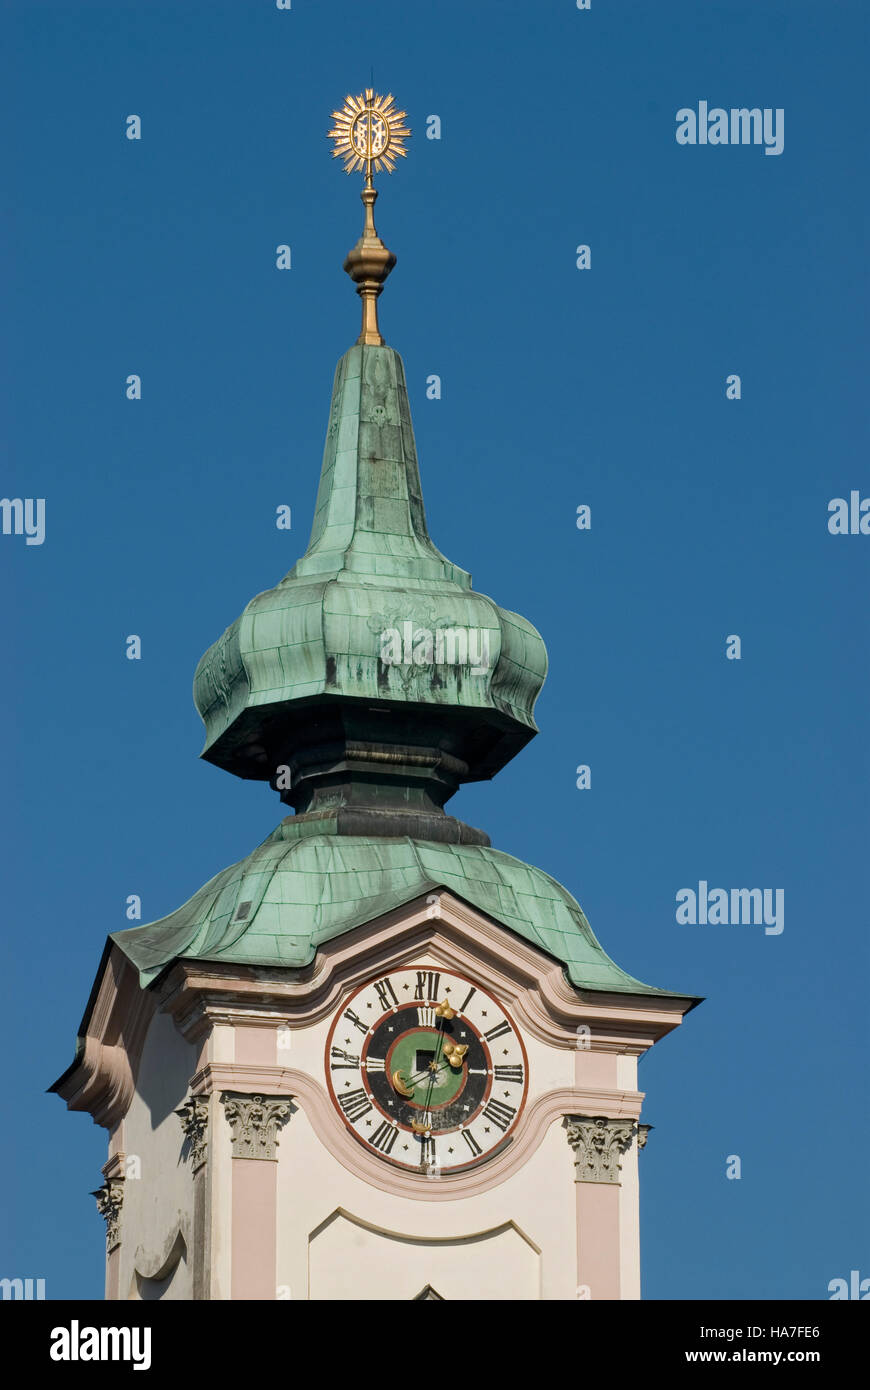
560, 387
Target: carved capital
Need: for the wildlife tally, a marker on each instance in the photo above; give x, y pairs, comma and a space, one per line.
193, 1115
255, 1122
110, 1199
598, 1143
643, 1135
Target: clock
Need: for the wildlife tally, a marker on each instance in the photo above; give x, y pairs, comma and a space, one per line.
427, 1070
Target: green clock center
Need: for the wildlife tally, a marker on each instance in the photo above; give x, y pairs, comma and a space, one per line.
419, 1059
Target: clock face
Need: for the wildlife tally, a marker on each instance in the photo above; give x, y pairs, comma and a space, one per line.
427, 1070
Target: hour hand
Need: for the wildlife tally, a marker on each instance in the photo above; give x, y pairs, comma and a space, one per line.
454, 1053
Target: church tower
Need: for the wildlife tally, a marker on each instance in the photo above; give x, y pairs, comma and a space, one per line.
376, 1058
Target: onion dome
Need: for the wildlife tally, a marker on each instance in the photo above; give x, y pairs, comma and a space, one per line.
372, 681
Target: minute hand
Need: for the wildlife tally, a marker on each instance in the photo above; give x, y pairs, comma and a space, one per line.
435, 1068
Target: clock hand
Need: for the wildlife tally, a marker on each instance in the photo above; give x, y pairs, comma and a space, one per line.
453, 1055
400, 1081
433, 1066
404, 1084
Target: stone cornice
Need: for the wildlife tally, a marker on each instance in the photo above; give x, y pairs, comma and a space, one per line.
200, 994
276, 1082
115, 1167
102, 1078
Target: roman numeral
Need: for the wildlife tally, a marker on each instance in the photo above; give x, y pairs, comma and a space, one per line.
498, 1031
355, 1104
384, 1137
467, 1000
472, 1143
499, 1114
426, 1018
427, 984
385, 992
357, 1022
508, 1073
375, 1064
342, 1059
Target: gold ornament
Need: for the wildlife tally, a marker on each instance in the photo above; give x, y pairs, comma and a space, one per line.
368, 133
454, 1053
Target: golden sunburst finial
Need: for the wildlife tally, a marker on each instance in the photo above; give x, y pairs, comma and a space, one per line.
369, 134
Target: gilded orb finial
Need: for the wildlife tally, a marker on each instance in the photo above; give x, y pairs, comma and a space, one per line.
369, 135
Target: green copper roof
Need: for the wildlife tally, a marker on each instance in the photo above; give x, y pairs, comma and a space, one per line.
296, 891
370, 567
369, 517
